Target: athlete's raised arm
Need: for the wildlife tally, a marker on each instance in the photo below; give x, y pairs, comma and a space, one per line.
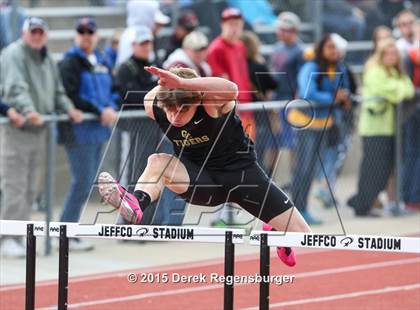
215, 89
148, 101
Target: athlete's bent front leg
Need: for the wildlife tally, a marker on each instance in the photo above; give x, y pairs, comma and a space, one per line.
163, 170
290, 221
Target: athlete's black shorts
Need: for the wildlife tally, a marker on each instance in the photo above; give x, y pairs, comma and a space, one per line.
250, 187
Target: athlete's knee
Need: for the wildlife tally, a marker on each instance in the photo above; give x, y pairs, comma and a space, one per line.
158, 161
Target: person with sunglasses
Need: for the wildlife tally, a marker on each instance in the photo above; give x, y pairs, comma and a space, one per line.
88, 82
214, 161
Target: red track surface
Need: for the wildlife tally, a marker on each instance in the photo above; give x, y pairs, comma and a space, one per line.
323, 280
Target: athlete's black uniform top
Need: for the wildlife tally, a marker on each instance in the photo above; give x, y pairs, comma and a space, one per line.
221, 163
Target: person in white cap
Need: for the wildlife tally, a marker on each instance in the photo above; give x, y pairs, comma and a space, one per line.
131, 75
192, 54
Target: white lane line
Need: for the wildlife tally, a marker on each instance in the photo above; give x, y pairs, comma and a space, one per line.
384, 290
139, 296
216, 286
358, 267
169, 268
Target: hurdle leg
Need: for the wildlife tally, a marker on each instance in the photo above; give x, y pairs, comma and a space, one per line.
30, 267
63, 269
265, 273
229, 270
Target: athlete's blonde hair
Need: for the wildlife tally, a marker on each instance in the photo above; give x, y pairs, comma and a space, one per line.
172, 98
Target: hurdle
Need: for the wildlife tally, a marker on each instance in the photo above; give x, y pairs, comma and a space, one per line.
267, 239
64, 231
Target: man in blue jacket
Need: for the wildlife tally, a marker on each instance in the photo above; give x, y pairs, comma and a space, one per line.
88, 82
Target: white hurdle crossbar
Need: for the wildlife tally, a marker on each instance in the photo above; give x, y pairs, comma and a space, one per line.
124, 232
32, 229
267, 239
338, 242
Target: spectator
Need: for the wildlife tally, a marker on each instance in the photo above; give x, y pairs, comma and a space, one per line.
338, 136
88, 82
15, 117
138, 135
380, 33
344, 18
263, 85
32, 85
323, 91
287, 56
227, 59
384, 86
405, 21
192, 55
286, 61
11, 22
133, 83
411, 148
139, 13
131, 75
186, 23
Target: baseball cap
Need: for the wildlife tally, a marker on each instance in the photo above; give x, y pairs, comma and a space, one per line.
195, 40
142, 34
188, 20
34, 23
161, 18
86, 23
231, 13
288, 20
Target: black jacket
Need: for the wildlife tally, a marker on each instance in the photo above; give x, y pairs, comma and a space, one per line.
261, 80
134, 82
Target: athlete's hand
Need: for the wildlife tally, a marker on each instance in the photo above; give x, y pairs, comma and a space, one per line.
166, 79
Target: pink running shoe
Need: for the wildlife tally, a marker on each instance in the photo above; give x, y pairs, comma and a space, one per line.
117, 196
286, 254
